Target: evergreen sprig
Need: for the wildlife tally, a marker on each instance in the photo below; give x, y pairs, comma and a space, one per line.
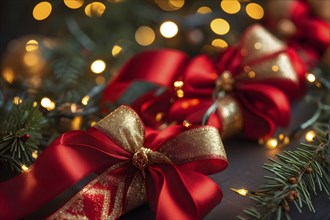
20, 134
296, 176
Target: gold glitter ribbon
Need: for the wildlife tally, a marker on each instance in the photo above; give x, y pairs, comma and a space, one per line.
124, 127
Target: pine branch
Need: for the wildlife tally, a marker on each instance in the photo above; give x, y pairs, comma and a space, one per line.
296, 176
20, 135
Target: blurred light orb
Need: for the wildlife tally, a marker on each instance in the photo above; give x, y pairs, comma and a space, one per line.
169, 29
219, 43
45, 102
255, 11
98, 66
170, 5
95, 9
204, 10
230, 6
31, 45
220, 26
145, 35
42, 10
73, 4
116, 50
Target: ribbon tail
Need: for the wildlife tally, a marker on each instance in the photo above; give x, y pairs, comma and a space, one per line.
188, 194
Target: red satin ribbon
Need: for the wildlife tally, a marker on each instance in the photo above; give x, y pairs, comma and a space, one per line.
310, 29
184, 190
161, 67
264, 106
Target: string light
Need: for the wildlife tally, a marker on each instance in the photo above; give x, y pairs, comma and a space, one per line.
310, 135
204, 10
310, 77
95, 9
42, 10
35, 154
145, 35
98, 66
24, 168
178, 87
93, 123
220, 26
45, 102
159, 116
272, 143
51, 106
219, 43
85, 100
255, 11
242, 192
73, 4
230, 6
186, 123
17, 100
8, 75
169, 29
116, 50
35, 104
99, 80
31, 45
76, 123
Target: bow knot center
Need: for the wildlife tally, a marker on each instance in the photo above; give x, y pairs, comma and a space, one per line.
225, 82
140, 158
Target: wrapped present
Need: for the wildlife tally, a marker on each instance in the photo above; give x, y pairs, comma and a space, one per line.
304, 23
116, 166
247, 86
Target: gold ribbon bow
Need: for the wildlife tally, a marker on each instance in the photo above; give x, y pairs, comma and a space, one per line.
125, 129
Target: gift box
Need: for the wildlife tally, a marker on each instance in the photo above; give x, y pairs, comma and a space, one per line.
248, 86
116, 166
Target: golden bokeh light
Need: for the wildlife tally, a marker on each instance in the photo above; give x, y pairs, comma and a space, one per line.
31, 59
99, 80
24, 168
178, 84
170, 5
145, 35
76, 123
17, 100
95, 9
116, 50
42, 10
169, 29
204, 10
31, 45
310, 135
220, 26
219, 43
35, 154
272, 143
98, 66
176, 4
242, 192
310, 77
230, 6
8, 75
85, 100
45, 102
255, 11
73, 4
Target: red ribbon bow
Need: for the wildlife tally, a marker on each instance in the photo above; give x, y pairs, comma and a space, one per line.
171, 165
